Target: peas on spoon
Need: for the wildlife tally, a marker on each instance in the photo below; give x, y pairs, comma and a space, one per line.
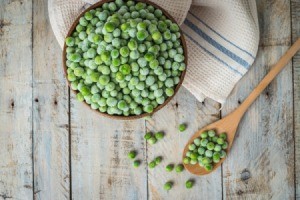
230, 123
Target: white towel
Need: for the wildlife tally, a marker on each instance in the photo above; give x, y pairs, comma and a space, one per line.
222, 38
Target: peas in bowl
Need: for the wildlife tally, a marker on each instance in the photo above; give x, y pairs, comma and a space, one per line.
125, 59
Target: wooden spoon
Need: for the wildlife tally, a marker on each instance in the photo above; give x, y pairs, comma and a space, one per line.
230, 123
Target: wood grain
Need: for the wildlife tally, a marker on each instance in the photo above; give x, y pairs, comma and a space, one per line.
100, 167
50, 112
15, 100
295, 14
262, 157
183, 109
264, 162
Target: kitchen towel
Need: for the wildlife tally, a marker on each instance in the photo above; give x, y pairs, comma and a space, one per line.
222, 38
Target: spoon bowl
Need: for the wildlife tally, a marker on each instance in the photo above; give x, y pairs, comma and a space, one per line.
226, 125
230, 123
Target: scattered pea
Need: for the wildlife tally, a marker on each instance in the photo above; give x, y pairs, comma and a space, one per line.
152, 164
158, 160
159, 135
147, 136
189, 184
136, 163
182, 127
179, 168
152, 140
169, 167
168, 186
132, 154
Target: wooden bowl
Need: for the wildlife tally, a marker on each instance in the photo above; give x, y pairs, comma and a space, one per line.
130, 117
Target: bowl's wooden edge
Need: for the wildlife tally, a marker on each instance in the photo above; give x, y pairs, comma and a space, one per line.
130, 117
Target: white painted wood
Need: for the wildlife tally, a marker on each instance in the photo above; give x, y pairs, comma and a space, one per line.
50, 111
260, 166
183, 109
295, 11
100, 167
15, 100
261, 161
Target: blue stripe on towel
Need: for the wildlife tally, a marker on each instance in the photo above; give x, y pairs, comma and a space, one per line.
214, 43
243, 50
199, 45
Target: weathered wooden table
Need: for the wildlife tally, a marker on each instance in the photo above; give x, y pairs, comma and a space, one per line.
53, 147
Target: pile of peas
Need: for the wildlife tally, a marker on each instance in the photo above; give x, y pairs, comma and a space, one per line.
124, 58
207, 149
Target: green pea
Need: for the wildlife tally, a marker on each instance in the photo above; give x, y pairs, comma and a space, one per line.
189, 184
142, 35
79, 97
193, 155
152, 165
208, 153
217, 147
197, 141
136, 163
125, 69
225, 145
201, 150
223, 154
211, 133
206, 160
152, 140
148, 108
223, 135
124, 51
204, 134
132, 154
210, 146
192, 147
220, 141
148, 136
168, 186
111, 101
158, 160
208, 167
179, 168
186, 160
159, 135
169, 167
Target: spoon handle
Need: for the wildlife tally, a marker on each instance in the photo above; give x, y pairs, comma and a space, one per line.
268, 78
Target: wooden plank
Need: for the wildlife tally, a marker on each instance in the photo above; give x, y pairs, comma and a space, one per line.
184, 108
100, 167
50, 111
261, 162
15, 100
295, 11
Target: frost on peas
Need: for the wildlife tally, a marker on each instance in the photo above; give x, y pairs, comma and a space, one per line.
142, 35
154, 64
124, 51
142, 77
142, 62
169, 92
142, 48
125, 58
134, 67
134, 55
150, 80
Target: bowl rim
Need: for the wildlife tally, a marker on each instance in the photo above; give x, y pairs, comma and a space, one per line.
130, 117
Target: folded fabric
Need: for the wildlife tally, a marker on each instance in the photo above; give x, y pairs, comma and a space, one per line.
222, 38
